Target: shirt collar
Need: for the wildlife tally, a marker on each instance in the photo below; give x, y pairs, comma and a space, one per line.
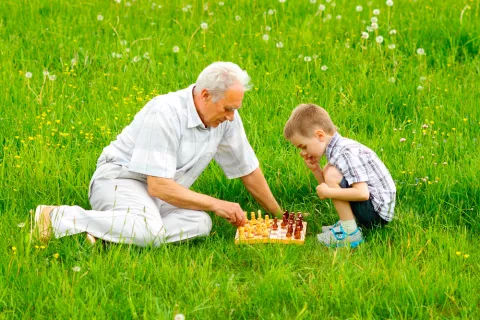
193, 117
331, 145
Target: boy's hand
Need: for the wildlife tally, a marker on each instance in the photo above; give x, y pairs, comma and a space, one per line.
310, 162
323, 190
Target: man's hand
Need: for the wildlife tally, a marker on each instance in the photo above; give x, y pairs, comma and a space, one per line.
322, 190
231, 211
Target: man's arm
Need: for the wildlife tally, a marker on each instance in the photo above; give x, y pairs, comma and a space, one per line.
358, 192
257, 185
181, 197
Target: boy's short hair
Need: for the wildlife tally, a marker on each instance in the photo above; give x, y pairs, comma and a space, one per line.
307, 117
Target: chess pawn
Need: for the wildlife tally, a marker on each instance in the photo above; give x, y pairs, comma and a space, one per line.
275, 224
300, 216
250, 233
259, 229
297, 234
267, 221
291, 217
300, 224
289, 231
241, 233
265, 232
284, 223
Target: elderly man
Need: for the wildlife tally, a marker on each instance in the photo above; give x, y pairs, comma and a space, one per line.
140, 190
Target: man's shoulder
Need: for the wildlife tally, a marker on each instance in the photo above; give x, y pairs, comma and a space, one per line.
172, 105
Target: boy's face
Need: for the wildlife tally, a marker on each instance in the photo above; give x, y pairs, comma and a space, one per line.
312, 147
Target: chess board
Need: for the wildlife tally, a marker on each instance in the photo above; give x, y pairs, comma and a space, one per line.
269, 235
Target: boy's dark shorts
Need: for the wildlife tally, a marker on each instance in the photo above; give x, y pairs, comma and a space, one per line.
363, 211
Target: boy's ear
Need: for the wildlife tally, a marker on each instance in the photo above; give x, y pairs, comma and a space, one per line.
320, 134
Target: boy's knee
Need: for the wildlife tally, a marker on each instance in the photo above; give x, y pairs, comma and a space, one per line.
332, 176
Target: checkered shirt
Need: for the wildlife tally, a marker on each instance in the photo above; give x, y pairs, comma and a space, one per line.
167, 139
358, 163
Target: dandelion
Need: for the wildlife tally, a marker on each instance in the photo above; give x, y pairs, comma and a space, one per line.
14, 248
46, 73
205, 7
221, 3
391, 46
265, 37
359, 8
313, 1
204, 25
52, 77
374, 19
123, 42
376, 12
179, 317
281, 1
238, 18
420, 51
391, 79
56, 255
393, 32
466, 256
76, 269
136, 59
118, 55
127, 50
176, 49
307, 59
268, 28
458, 253
185, 9
370, 29
146, 56
321, 7
374, 26
28, 75
100, 17
118, 1
21, 225
339, 17
419, 88
379, 39
389, 3
403, 139
364, 35
279, 45
271, 12
328, 17
423, 78
324, 68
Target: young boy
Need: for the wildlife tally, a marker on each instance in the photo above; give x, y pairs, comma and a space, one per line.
357, 181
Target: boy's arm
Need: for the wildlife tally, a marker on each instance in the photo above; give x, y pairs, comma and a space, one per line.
358, 192
318, 174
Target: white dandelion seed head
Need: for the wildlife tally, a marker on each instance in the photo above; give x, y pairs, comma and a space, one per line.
403, 139
370, 29
118, 55
391, 46
419, 88
136, 59
221, 3
185, 9
179, 317
118, 1
315, 56
420, 51
393, 32
128, 4
307, 59
73, 62
339, 17
423, 78
21, 225
176, 49
76, 269
365, 35
324, 68
146, 55
374, 26
313, 1
328, 17
376, 12
374, 19
321, 7
238, 18
123, 42
281, 1
127, 50
211, 13
379, 39
205, 7
333, 4
204, 25
265, 37
389, 3
268, 28
359, 8
279, 44
46, 73
100, 17
28, 75
52, 77
391, 79
271, 12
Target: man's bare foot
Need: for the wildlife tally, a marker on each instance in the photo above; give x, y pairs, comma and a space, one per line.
43, 223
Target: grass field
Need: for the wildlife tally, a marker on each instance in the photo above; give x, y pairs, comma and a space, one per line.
74, 73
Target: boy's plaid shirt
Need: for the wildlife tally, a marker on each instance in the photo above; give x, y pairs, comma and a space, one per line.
358, 163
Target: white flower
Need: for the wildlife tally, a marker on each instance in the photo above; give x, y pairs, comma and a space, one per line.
376, 12
393, 32
211, 13
300, 56
268, 28
21, 225
423, 78
391, 46
328, 1
328, 17
333, 4
128, 4
321, 7
52, 77
73, 62
185, 9
221, 3
307, 59
127, 50
205, 7
281, 1
76, 269
389, 3
313, 1
323, 68
374, 26
279, 45
28, 75
175, 49
118, 1
374, 19
136, 59
271, 12
100, 17
204, 25
364, 35
419, 88
370, 29
46, 73
403, 139
123, 42
359, 8
146, 56
179, 317
265, 37
238, 18
420, 51
315, 57
379, 39
339, 17
118, 55
391, 79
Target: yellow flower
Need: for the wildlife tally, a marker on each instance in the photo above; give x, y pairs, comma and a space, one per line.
42, 247
56, 255
458, 253
466, 256
14, 248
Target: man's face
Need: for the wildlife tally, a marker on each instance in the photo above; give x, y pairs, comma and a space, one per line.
312, 147
223, 109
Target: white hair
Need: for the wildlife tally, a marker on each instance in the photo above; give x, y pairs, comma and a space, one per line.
219, 77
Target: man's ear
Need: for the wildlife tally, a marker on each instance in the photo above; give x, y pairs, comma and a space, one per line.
205, 94
320, 134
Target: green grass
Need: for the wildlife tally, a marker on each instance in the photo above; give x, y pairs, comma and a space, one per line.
52, 133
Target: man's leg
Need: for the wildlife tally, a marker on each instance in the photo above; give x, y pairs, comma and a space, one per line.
183, 224
122, 212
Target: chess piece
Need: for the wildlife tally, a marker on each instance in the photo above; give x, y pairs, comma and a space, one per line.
284, 223
250, 233
259, 214
275, 224
285, 214
289, 231
300, 224
291, 217
297, 234
265, 232
267, 221
300, 216
259, 229
241, 233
